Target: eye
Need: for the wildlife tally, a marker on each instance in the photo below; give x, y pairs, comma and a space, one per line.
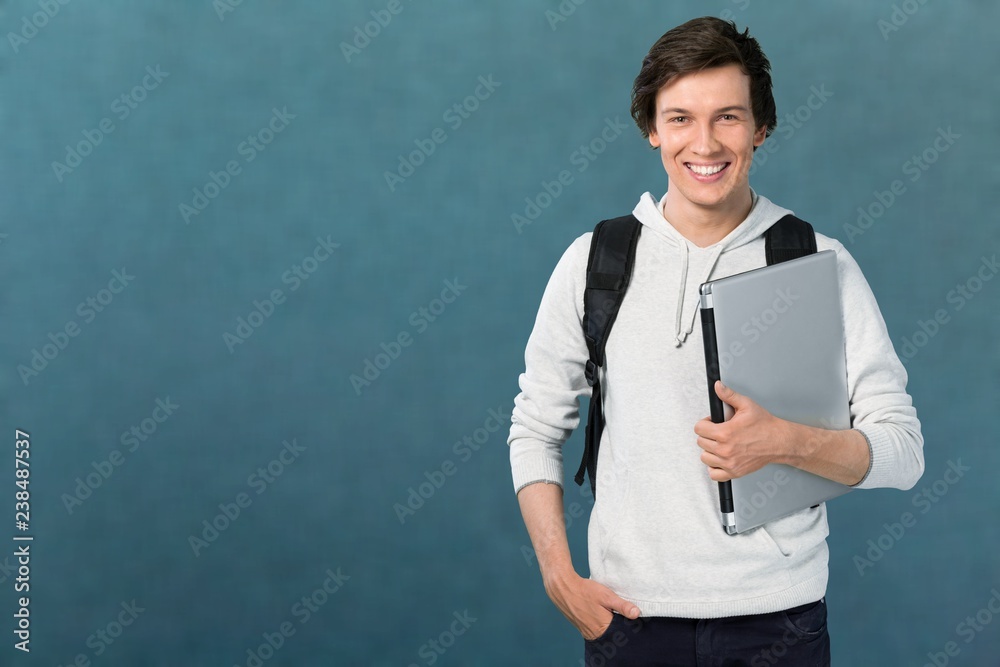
676, 118
728, 116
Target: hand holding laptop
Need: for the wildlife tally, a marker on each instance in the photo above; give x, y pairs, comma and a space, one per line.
750, 440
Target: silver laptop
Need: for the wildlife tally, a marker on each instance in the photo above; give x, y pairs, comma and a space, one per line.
776, 335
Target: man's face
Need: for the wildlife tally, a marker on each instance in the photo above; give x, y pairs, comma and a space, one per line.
706, 136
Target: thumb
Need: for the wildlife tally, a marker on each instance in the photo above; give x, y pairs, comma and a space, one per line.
730, 396
623, 607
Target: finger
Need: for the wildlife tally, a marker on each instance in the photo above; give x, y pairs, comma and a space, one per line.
705, 428
730, 396
719, 475
707, 444
716, 463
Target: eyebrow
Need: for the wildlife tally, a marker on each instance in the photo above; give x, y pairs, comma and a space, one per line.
685, 111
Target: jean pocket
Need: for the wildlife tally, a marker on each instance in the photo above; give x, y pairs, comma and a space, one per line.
807, 619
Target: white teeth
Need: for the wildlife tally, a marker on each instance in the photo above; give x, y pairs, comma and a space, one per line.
706, 171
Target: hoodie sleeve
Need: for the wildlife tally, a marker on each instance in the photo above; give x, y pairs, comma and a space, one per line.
880, 407
547, 409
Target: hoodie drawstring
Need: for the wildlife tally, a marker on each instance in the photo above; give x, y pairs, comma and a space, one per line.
680, 297
680, 337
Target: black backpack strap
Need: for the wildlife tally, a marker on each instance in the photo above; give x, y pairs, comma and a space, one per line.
788, 238
609, 268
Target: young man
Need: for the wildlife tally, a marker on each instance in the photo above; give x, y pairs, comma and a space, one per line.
656, 593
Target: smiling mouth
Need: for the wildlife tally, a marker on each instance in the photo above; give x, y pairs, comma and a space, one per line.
705, 170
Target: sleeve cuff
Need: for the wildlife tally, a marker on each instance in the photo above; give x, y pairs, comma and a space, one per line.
881, 460
530, 472
871, 459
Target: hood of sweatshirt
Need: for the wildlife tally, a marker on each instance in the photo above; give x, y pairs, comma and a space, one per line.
649, 211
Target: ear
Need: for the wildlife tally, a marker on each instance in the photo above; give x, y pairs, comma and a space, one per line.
759, 135
654, 139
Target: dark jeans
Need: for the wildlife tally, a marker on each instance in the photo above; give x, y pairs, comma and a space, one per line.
795, 637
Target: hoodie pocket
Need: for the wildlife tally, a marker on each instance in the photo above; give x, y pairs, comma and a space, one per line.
798, 533
771, 542
659, 539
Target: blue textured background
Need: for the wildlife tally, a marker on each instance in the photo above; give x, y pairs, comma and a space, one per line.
323, 176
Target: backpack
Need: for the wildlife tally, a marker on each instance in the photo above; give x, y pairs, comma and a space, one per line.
609, 268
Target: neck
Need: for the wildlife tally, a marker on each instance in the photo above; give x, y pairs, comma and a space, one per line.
705, 226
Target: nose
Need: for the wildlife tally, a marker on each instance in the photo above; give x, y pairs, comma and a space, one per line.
705, 142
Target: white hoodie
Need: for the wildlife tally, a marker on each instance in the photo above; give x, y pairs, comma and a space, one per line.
655, 536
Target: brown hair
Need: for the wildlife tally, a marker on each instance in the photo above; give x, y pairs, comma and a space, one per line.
692, 47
